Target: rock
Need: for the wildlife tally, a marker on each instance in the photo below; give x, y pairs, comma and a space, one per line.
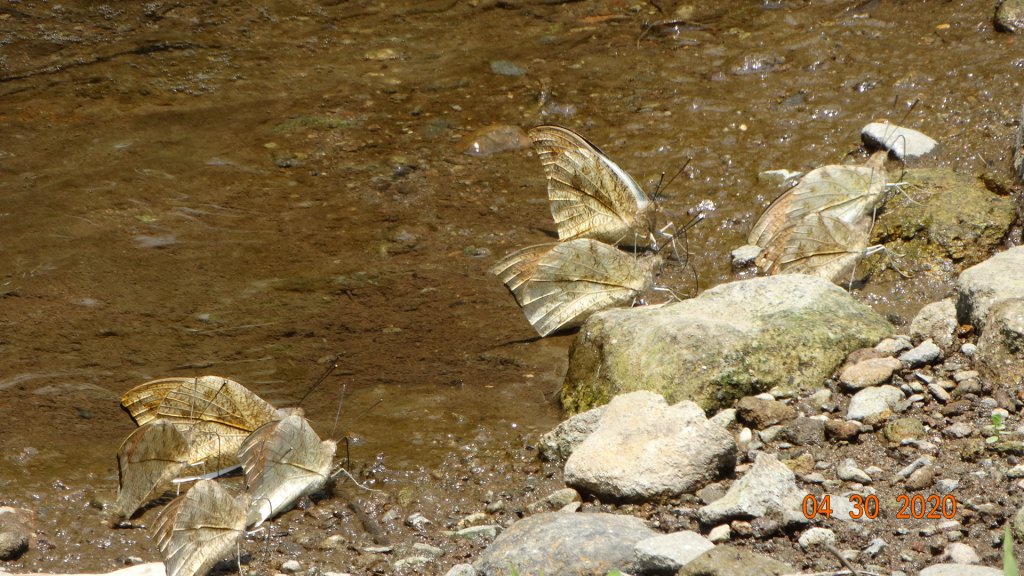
1000, 356
923, 354
484, 532
959, 430
290, 566
921, 478
669, 552
554, 501
423, 549
959, 570
867, 373
558, 444
803, 431
506, 68
874, 547
979, 287
724, 418
769, 487
644, 449
556, 544
410, 562
417, 521
969, 349
731, 561
902, 143
896, 431
952, 221
461, 570
848, 471
15, 531
731, 341
842, 429
914, 467
937, 322
744, 256
960, 553
760, 413
873, 402
1009, 16
720, 534
817, 537
893, 346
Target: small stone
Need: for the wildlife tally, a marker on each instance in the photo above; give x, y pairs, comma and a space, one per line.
848, 471
874, 547
923, 354
921, 478
873, 402
290, 566
410, 562
804, 431
422, 549
842, 430
817, 537
668, 553
484, 532
1010, 16
938, 392
460, 570
893, 346
959, 430
969, 349
913, 467
744, 256
896, 431
960, 553
417, 521
946, 486
867, 373
720, 534
759, 413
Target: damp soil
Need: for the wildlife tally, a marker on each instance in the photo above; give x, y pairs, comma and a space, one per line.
260, 191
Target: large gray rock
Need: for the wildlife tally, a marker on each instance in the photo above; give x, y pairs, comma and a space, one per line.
999, 278
644, 449
768, 489
732, 561
734, 340
1000, 355
667, 553
560, 544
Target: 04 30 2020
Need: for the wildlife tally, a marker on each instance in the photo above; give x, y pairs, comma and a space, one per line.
910, 507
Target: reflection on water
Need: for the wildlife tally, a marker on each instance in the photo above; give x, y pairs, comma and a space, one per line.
252, 191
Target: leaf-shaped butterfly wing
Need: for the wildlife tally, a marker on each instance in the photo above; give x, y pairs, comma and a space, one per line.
209, 398
846, 193
591, 197
560, 285
283, 461
151, 456
819, 245
200, 528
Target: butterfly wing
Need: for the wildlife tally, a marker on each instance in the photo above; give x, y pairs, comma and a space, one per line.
143, 401
209, 398
151, 456
199, 528
846, 193
819, 245
591, 197
283, 461
561, 285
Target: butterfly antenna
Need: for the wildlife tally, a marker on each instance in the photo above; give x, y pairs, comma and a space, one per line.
673, 178
330, 369
337, 415
681, 231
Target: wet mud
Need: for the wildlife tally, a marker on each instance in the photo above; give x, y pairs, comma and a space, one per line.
260, 191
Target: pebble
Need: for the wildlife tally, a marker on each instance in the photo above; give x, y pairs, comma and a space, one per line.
913, 467
1010, 16
959, 430
290, 566
410, 562
921, 478
760, 413
867, 373
893, 346
848, 471
874, 547
417, 521
969, 349
939, 392
923, 354
720, 534
485, 532
668, 553
960, 553
804, 431
460, 570
842, 429
873, 402
427, 550
947, 486
817, 537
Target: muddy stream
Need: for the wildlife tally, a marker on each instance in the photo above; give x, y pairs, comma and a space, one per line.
259, 190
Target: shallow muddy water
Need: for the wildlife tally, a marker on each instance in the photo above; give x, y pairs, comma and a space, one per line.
260, 190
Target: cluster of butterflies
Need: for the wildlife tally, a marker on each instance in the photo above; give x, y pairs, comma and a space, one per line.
196, 429
597, 208
821, 226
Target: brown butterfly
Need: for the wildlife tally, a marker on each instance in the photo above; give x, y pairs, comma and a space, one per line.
591, 197
148, 460
560, 285
209, 398
200, 528
283, 461
829, 211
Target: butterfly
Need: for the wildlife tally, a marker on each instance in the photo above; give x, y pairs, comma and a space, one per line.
283, 461
560, 285
829, 211
200, 528
147, 461
591, 197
